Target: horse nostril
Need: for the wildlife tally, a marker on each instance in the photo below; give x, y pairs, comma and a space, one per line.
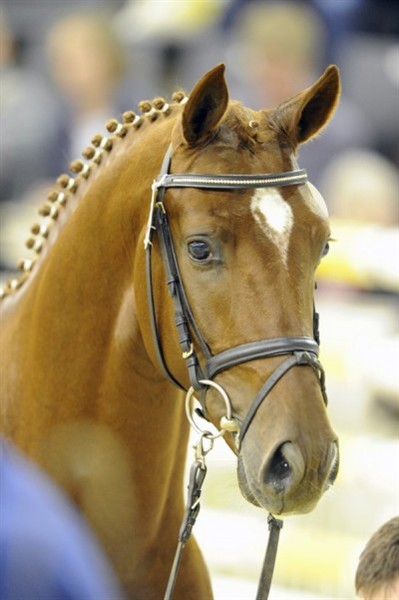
277, 470
285, 468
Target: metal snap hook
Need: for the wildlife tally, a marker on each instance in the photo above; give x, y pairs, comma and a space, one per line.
227, 422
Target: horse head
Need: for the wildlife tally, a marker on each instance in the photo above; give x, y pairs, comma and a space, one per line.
246, 256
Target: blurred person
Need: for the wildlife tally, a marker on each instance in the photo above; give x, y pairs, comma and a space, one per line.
338, 18
370, 75
32, 20
363, 186
86, 63
27, 112
46, 549
362, 190
284, 45
170, 39
377, 574
42, 129
280, 49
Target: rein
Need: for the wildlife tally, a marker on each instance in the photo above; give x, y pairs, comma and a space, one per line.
300, 350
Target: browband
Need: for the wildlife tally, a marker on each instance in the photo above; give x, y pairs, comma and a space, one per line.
231, 181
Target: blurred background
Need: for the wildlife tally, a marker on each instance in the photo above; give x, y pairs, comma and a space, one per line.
67, 67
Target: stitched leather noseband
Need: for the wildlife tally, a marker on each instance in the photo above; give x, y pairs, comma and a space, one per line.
301, 350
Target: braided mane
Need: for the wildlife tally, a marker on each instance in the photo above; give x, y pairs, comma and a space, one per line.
67, 186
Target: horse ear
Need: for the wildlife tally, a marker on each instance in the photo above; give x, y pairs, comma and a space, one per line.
206, 106
306, 114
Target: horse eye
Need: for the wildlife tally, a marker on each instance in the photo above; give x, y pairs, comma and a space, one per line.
199, 250
326, 249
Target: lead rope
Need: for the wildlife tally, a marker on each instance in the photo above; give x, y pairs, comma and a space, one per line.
197, 476
196, 479
266, 576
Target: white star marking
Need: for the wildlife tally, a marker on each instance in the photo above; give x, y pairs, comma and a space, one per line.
274, 215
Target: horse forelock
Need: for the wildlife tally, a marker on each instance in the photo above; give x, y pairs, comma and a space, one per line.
244, 128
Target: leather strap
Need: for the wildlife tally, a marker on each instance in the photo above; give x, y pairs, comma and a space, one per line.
183, 315
153, 322
231, 182
297, 359
255, 350
265, 580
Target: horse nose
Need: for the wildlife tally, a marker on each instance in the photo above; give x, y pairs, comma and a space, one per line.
285, 468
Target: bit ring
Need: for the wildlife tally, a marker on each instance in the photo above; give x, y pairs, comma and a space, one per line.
226, 399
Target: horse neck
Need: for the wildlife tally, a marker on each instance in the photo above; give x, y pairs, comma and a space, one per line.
78, 306
87, 257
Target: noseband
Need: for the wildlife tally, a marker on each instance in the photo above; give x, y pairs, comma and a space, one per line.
301, 350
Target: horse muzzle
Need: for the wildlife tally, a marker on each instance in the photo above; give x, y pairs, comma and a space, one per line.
284, 483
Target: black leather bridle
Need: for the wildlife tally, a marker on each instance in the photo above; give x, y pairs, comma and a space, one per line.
300, 350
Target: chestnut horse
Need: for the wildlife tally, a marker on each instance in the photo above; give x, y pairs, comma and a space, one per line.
83, 392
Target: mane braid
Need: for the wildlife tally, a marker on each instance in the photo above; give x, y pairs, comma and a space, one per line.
67, 185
